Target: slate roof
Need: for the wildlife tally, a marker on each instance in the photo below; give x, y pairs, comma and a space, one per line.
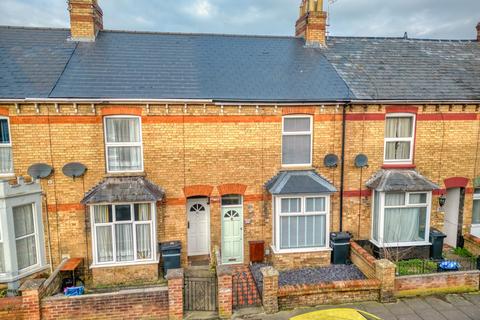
41, 63
407, 69
123, 189
400, 180
129, 65
299, 182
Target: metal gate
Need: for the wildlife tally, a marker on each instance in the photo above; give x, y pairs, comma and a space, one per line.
200, 293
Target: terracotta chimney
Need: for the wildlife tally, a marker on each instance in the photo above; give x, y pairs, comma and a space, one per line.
312, 23
86, 19
478, 32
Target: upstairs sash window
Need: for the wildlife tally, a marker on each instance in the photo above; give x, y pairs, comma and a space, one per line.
297, 141
399, 138
6, 159
123, 144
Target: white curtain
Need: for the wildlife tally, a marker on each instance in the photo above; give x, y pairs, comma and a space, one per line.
144, 241
124, 158
124, 242
397, 150
399, 127
2, 259
296, 149
102, 214
104, 243
6, 162
142, 212
404, 225
25, 238
123, 130
302, 231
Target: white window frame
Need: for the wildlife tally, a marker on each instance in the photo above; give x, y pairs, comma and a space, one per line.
276, 209
475, 228
300, 133
112, 225
410, 139
8, 145
123, 144
35, 234
381, 217
2, 258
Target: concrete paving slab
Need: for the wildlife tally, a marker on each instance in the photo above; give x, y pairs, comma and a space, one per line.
455, 315
399, 308
458, 300
439, 304
471, 311
417, 304
473, 298
408, 317
430, 314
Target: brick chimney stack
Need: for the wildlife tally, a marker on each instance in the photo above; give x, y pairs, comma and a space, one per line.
312, 23
86, 19
478, 32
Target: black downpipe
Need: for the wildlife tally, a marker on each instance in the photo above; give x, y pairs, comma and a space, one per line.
342, 164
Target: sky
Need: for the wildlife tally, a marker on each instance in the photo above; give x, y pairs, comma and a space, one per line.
438, 19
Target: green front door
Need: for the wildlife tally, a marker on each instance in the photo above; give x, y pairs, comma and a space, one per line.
232, 235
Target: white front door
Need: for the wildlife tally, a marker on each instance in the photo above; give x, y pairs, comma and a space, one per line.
232, 235
452, 208
198, 212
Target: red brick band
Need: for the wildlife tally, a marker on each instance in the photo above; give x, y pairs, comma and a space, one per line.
121, 110
198, 190
232, 188
456, 182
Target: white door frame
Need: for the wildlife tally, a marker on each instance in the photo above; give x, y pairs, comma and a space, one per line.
205, 202
451, 217
238, 206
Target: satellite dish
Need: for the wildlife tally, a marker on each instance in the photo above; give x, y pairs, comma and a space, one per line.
330, 161
74, 169
39, 170
361, 161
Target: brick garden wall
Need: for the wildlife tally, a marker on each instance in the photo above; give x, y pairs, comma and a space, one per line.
132, 304
285, 261
211, 146
144, 273
14, 308
472, 244
437, 283
362, 259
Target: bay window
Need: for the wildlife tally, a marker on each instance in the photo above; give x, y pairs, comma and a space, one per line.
6, 160
2, 254
301, 223
123, 143
399, 138
25, 236
297, 141
401, 218
476, 213
123, 233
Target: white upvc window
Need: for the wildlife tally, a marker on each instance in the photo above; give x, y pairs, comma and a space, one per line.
26, 236
123, 233
123, 144
401, 218
297, 140
2, 254
6, 158
301, 223
399, 138
476, 213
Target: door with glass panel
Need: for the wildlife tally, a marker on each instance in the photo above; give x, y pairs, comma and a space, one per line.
232, 229
198, 213
476, 214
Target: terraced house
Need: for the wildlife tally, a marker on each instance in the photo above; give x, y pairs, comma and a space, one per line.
252, 148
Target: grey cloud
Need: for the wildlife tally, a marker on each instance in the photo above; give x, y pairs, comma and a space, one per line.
420, 18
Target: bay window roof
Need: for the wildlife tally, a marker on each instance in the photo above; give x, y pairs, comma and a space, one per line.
299, 182
124, 189
400, 180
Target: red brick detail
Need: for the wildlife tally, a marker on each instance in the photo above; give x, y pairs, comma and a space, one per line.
198, 190
357, 193
65, 207
298, 110
257, 197
4, 112
121, 110
456, 182
446, 116
365, 117
401, 109
176, 201
399, 166
232, 188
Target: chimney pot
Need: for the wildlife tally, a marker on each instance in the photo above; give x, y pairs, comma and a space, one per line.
86, 19
312, 23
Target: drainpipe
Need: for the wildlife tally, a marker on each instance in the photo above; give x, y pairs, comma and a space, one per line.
342, 164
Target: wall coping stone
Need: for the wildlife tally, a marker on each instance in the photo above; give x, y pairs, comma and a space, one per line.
363, 253
472, 238
269, 272
174, 274
451, 273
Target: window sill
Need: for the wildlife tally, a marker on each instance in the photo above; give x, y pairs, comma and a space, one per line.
125, 264
401, 244
399, 166
9, 277
293, 167
305, 250
125, 174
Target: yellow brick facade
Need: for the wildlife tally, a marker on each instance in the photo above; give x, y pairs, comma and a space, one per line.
188, 145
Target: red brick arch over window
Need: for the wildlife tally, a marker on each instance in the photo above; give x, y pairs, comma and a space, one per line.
121, 110
232, 188
401, 109
456, 182
298, 110
198, 190
3, 111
